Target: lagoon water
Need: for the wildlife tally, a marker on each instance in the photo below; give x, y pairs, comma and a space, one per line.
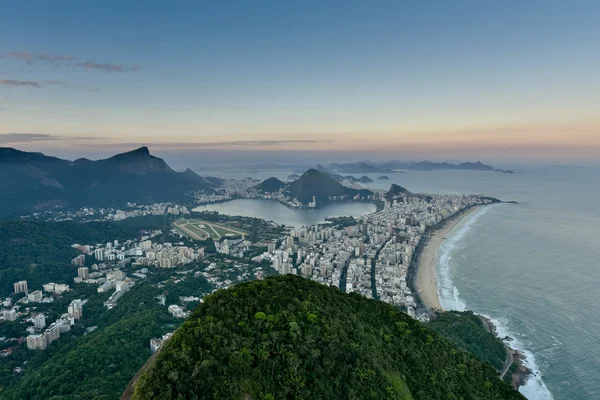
534, 268
271, 210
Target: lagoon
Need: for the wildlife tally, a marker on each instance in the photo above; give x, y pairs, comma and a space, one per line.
271, 210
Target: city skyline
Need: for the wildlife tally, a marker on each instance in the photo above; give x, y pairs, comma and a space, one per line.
461, 81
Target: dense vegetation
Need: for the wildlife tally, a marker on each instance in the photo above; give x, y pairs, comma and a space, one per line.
100, 364
467, 330
289, 337
40, 252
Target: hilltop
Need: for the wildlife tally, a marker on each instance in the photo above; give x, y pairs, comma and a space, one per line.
290, 337
270, 185
322, 186
36, 182
396, 190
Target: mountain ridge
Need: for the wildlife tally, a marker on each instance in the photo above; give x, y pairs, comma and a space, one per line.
35, 182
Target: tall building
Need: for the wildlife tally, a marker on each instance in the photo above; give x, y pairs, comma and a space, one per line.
79, 260
21, 287
10, 315
165, 263
83, 273
99, 254
52, 333
39, 321
35, 296
57, 288
75, 309
37, 342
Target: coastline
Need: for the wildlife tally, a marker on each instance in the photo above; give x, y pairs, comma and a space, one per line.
426, 283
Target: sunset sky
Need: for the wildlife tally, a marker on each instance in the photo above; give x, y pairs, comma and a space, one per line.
442, 80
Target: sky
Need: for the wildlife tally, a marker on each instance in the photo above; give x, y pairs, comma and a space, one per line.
511, 81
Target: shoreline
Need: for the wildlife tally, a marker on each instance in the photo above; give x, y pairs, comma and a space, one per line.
426, 283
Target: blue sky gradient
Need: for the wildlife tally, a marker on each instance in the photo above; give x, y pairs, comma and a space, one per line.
433, 79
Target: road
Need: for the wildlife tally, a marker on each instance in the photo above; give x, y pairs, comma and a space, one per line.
373, 262
507, 363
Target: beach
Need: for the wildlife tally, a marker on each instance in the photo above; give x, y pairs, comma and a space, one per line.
427, 284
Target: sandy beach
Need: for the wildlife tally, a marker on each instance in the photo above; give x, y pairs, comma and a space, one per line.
427, 284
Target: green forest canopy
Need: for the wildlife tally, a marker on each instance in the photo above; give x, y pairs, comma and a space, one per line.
288, 337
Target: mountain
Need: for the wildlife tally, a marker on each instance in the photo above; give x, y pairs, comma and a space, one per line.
433, 166
288, 337
361, 167
322, 186
270, 185
365, 179
396, 190
203, 180
35, 182
384, 178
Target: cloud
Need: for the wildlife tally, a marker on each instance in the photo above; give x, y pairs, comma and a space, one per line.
32, 84
31, 58
7, 138
108, 67
212, 145
15, 83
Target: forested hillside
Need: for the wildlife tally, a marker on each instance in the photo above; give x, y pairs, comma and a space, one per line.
40, 252
291, 338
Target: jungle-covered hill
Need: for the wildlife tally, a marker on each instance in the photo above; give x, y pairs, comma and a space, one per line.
288, 337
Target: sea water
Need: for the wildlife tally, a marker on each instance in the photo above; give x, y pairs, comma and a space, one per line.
534, 270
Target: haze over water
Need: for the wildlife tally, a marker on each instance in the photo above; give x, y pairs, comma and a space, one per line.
534, 268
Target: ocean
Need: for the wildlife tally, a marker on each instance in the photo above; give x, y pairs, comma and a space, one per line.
533, 268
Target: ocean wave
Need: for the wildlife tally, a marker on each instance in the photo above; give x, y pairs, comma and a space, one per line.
534, 388
447, 292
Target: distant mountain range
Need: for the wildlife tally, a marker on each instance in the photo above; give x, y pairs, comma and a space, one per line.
386, 167
312, 183
365, 167
35, 182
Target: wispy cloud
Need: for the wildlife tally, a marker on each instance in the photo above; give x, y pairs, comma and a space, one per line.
213, 145
9, 138
15, 83
32, 84
30, 58
57, 60
108, 67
